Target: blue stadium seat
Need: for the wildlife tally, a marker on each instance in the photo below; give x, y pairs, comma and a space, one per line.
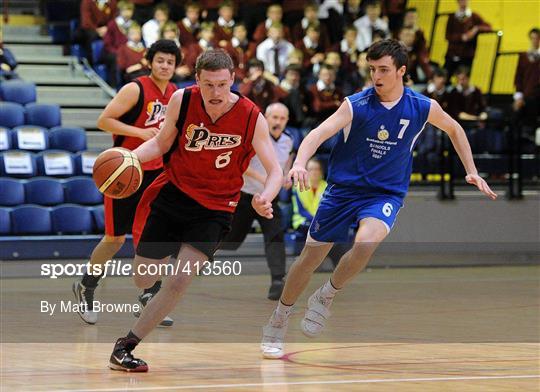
84, 162
97, 50
71, 219
44, 115
5, 221
31, 219
30, 137
44, 191
77, 51
11, 114
6, 136
20, 164
18, 91
71, 139
55, 163
99, 218
101, 70
82, 190
12, 193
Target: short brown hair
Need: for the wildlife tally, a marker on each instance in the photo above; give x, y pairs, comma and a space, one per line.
125, 5
214, 60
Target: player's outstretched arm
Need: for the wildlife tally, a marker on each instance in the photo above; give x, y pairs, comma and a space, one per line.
442, 120
262, 203
162, 141
328, 128
123, 102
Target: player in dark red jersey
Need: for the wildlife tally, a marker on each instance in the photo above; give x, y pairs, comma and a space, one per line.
209, 136
134, 115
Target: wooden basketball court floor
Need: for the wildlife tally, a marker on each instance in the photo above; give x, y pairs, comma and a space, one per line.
416, 329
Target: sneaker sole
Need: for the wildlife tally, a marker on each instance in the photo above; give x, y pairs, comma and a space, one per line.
119, 368
74, 289
267, 355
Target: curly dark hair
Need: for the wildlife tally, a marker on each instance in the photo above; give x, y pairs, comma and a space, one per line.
164, 46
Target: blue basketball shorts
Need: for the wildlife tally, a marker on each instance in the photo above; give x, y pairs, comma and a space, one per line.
340, 210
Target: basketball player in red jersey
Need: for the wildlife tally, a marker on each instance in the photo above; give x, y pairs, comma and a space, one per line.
134, 115
209, 136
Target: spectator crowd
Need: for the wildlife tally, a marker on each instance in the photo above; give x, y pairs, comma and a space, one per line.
306, 54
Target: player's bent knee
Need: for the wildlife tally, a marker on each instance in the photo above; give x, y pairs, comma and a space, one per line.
143, 281
178, 283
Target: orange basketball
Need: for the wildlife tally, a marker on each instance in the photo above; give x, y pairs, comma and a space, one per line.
117, 173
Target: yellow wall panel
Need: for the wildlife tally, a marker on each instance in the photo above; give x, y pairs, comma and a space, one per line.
504, 74
514, 17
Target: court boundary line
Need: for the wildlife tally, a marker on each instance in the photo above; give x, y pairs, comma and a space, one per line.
328, 382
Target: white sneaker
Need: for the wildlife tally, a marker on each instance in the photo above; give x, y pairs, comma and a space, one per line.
273, 336
317, 313
85, 299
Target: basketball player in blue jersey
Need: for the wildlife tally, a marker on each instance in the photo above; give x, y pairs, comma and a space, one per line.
368, 177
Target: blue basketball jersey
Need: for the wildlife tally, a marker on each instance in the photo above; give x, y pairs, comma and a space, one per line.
374, 152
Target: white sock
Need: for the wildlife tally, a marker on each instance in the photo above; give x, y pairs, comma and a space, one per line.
327, 291
284, 310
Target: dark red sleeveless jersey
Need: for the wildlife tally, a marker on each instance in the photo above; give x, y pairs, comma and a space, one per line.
148, 112
207, 159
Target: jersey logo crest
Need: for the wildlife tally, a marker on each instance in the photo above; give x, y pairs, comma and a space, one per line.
199, 137
156, 112
383, 133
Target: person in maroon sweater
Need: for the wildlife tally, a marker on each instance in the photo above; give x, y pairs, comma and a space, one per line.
190, 25
259, 89
131, 61
348, 49
527, 82
312, 47
467, 105
462, 31
182, 71
116, 37
274, 14
240, 49
410, 19
465, 101
436, 88
325, 97
418, 68
223, 29
95, 15
206, 41
310, 18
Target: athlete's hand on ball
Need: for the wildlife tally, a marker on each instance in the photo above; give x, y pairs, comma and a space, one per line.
299, 177
149, 133
262, 206
481, 184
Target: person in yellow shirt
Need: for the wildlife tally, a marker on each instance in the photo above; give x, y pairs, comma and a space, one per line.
305, 203
305, 206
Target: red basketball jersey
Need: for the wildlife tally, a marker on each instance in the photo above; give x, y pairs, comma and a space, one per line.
148, 112
207, 159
